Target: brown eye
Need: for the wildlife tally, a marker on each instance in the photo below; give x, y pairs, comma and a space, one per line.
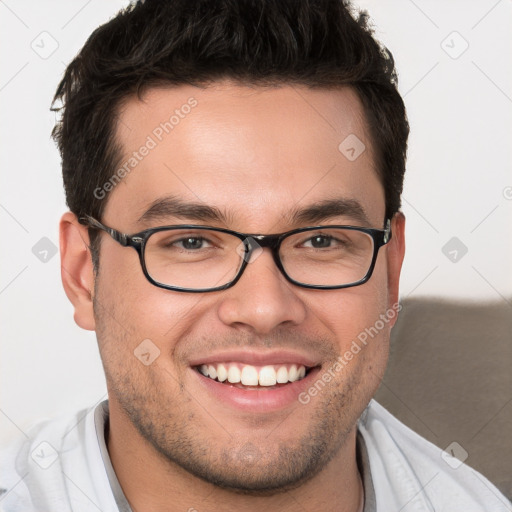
320, 241
191, 243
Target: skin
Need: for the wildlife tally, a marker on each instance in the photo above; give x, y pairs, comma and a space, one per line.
257, 154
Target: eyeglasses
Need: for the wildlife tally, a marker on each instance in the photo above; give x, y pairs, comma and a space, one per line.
190, 258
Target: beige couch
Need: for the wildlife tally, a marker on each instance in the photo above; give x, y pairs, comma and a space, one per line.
450, 379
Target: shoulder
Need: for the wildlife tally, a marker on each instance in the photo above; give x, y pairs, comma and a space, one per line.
41, 466
411, 473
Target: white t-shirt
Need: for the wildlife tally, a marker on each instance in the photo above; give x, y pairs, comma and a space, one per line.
63, 466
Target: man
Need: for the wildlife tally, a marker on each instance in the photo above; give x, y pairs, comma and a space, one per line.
234, 171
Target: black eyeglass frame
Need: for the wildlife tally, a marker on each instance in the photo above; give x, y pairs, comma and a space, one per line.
138, 241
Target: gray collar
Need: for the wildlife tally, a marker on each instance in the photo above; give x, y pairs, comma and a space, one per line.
363, 464
101, 420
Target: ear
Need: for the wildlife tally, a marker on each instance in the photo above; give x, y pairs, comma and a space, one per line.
77, 270
395, 257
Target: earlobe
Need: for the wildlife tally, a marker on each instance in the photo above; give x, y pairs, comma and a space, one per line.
77, 269
395, 257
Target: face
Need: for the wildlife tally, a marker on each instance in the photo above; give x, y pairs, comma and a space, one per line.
255, 155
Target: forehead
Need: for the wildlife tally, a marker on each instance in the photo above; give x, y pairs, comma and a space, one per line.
255, 153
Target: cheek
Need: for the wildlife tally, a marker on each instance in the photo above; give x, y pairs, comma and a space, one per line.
352, 311
141, 308
131, 313
359, 321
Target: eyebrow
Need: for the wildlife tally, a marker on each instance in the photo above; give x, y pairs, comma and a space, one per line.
171, 206
163, 208
328, 209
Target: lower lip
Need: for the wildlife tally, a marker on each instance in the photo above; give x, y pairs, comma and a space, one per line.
257, 400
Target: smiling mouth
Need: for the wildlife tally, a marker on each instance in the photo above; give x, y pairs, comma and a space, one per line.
247, 376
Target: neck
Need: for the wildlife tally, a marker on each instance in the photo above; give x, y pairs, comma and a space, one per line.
153, 483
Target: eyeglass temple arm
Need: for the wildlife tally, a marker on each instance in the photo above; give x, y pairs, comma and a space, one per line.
116, 235
387, 232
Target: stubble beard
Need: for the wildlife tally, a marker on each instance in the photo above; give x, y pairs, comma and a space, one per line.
170, 420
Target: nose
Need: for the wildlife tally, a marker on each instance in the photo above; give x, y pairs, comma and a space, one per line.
262, 299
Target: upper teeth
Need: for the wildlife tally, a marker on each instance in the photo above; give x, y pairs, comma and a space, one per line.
250, 375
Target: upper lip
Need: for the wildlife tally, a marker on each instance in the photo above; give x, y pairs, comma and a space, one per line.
254, 358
